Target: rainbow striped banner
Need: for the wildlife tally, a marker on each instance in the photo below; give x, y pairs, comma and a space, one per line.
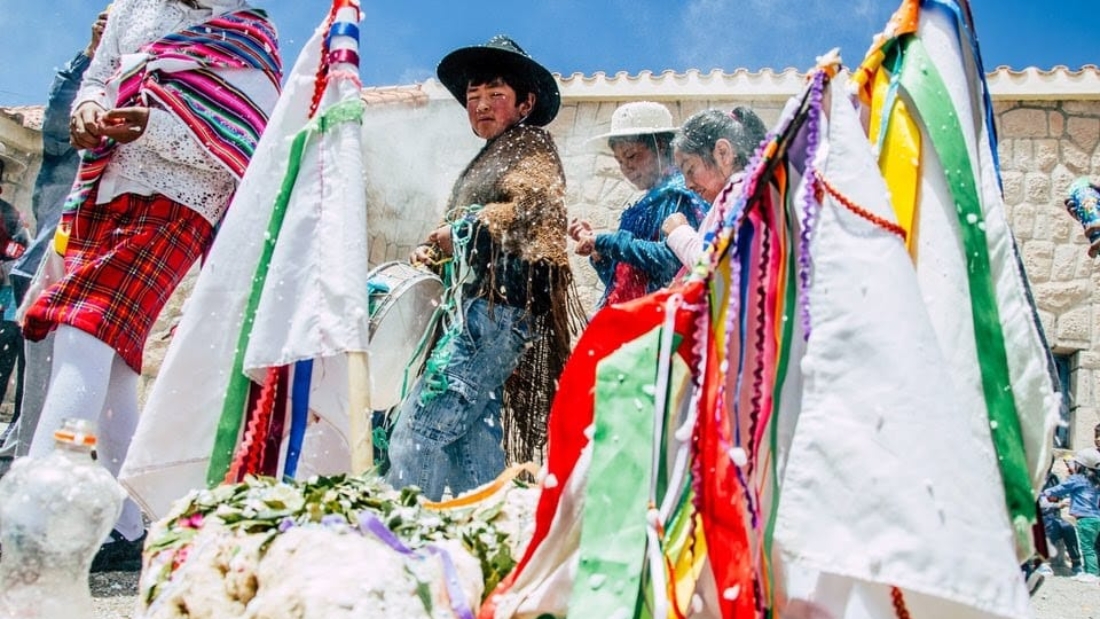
846, 440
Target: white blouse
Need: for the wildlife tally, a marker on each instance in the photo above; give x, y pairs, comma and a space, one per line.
167, 159
687, 242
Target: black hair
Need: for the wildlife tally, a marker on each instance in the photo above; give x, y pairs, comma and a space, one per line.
742, 127
659, 143
1090, 474
519, 81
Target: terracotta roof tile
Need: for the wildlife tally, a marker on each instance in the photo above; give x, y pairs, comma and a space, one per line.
413, 96
30, 116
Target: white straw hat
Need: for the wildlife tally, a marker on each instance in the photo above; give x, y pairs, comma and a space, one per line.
639, 118
1089, 457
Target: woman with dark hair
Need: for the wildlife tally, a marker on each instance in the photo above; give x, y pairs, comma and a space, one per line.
712, 149
634, 260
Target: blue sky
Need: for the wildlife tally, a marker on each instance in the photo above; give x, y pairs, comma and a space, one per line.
403, 40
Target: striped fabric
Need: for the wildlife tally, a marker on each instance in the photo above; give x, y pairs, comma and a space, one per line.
123, 262
222, 118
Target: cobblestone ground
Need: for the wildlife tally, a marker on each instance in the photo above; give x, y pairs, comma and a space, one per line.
1059, 597
114, 594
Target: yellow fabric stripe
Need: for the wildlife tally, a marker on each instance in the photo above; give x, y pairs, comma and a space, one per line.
686, 550
899, 160
486, 491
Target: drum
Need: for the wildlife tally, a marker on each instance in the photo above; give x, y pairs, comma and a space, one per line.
403, 304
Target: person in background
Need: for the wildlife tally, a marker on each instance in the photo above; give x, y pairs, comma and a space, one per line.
506, 221
168, 114
13, 242
634, 260
1083, 489
712, 149
51, 187
1057, 530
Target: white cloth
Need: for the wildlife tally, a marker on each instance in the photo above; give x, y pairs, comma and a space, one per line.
313, 306
885, 483
941, 267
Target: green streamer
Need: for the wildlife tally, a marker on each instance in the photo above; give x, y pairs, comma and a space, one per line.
790, 303
456, 273
613, 534
236, 395
924, 85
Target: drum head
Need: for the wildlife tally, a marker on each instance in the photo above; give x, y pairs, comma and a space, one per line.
401, 320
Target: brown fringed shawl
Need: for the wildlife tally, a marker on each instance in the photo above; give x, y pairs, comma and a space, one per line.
519, 258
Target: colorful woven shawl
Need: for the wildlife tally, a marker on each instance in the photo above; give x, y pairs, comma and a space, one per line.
222, 118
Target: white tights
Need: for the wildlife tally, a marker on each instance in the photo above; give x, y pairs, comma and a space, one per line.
90, 381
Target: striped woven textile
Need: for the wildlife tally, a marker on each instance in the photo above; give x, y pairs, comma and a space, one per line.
223, 119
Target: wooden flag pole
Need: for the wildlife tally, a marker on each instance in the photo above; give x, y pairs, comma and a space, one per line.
359, 413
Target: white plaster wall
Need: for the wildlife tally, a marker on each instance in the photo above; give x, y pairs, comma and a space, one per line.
414, 155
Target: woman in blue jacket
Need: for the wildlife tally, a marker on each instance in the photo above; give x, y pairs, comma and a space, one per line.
634, 260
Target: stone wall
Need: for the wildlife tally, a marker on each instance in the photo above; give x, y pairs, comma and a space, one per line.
1043, 146
417, 153
21, 151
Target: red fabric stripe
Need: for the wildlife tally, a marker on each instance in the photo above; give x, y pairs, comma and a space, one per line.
574, 404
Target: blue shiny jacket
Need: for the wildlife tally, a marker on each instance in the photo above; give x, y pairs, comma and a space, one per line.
639, 240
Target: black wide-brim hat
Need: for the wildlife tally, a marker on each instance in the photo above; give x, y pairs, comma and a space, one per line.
504, 54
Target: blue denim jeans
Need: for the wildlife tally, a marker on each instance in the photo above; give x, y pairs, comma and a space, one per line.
453, 440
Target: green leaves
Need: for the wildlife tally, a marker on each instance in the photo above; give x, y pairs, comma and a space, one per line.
266, 506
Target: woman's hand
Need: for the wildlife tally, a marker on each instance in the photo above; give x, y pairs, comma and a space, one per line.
581, 232
84, 130
577, 227
672, 222
124, 124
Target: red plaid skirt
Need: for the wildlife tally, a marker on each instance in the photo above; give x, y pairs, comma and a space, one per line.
123, 261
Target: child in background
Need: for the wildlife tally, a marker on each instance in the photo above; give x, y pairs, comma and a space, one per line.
1083, 489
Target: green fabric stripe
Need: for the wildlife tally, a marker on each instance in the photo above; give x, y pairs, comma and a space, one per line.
613, 534
232, 415
678, 373
924, 85
790, 308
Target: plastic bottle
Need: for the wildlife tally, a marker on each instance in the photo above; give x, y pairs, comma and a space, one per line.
54, 514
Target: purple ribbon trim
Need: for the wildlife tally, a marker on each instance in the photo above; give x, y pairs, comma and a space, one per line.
369, 523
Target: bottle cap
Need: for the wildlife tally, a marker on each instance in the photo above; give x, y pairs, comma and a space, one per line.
76, 432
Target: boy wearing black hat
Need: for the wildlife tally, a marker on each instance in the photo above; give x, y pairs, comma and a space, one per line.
505, 227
